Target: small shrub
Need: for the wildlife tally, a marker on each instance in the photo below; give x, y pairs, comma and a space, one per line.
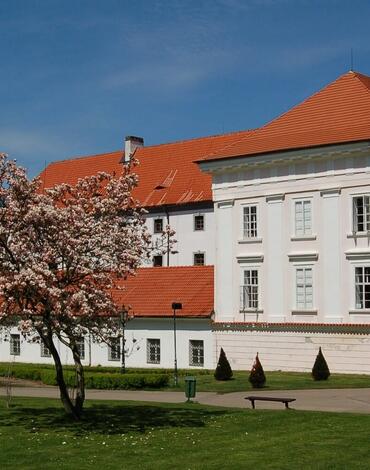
257, 376
223, 370
320, 370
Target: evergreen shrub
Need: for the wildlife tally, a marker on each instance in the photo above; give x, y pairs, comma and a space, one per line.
223, 370
257, 376
320, 370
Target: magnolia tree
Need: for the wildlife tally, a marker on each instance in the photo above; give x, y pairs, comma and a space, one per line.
63, 254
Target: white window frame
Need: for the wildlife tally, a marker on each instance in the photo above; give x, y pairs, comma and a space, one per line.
245, 268
244, 235
44, 350
196, 346
15, 344
306, 233
357, 307
114, 351
306, 306
154, 228
204, 222
155, 349
199, 253
366, 214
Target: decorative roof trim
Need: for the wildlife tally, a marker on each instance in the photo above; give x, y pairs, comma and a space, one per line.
270, 158
265, 327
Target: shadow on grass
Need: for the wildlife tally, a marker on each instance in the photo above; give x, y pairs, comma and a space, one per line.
107, 419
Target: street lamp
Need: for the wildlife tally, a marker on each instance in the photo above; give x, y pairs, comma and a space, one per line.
175, 306
123, 321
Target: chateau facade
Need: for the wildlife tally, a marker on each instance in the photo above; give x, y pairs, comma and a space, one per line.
282, 213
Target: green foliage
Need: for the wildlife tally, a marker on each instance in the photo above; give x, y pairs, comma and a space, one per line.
257, 376
320, 370
223, 370
97, 380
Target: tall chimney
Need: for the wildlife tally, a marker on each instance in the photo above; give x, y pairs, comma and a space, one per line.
131, 144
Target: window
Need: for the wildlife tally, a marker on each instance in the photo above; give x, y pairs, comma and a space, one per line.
199, 259
250, 222
114, 349
158, 225
196, 353
303, 218
304, 288
249, 290
362, 287
80, 343
198, 222
44, 350
361, 214
153, 351
158, 260
15, 345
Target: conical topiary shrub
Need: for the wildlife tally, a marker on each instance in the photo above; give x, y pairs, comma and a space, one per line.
257, 376
223, 370
320, 370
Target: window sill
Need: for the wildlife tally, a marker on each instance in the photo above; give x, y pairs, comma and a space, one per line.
358, 235
297, 238
362, 311
304, 312
251, 311
250, 240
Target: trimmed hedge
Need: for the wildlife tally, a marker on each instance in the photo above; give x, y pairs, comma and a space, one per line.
97, 380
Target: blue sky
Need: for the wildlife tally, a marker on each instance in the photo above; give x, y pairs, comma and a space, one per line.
77, 76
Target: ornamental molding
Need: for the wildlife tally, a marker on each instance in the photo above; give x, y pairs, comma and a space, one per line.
253, 258
265, 327
225, 204
303, 256
331, 192
358, 255
275, 198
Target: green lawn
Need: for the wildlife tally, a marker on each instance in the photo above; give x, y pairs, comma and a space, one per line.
35, 434
281, 381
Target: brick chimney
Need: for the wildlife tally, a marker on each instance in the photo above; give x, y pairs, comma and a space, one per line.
131, 144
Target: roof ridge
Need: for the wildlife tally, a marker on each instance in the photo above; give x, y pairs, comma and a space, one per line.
360, 77
81, 157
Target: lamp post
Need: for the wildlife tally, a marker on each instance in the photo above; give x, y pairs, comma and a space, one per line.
123, 319
175, 306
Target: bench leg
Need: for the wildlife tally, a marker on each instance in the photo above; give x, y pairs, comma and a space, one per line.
253, 404
286, 405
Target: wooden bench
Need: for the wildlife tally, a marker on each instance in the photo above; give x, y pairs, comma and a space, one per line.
286, 401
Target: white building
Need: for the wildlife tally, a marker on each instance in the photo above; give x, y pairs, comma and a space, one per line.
282, 212
292, 207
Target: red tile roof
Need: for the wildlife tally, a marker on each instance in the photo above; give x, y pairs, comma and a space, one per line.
338, 113
167, 172
151, 292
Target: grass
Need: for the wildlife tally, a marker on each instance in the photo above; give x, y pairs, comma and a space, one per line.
35, 433
281, 381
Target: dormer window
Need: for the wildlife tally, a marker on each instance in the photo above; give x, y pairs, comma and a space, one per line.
158, 226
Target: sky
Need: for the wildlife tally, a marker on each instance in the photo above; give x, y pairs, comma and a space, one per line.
77, 76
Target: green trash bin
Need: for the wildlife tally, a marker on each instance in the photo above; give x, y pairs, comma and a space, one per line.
190, 387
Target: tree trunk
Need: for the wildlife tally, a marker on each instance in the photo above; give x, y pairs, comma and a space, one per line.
69, 407
80, 381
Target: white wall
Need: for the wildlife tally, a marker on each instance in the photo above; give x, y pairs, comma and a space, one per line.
189, 241
290, 351
331, 250
138, 329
